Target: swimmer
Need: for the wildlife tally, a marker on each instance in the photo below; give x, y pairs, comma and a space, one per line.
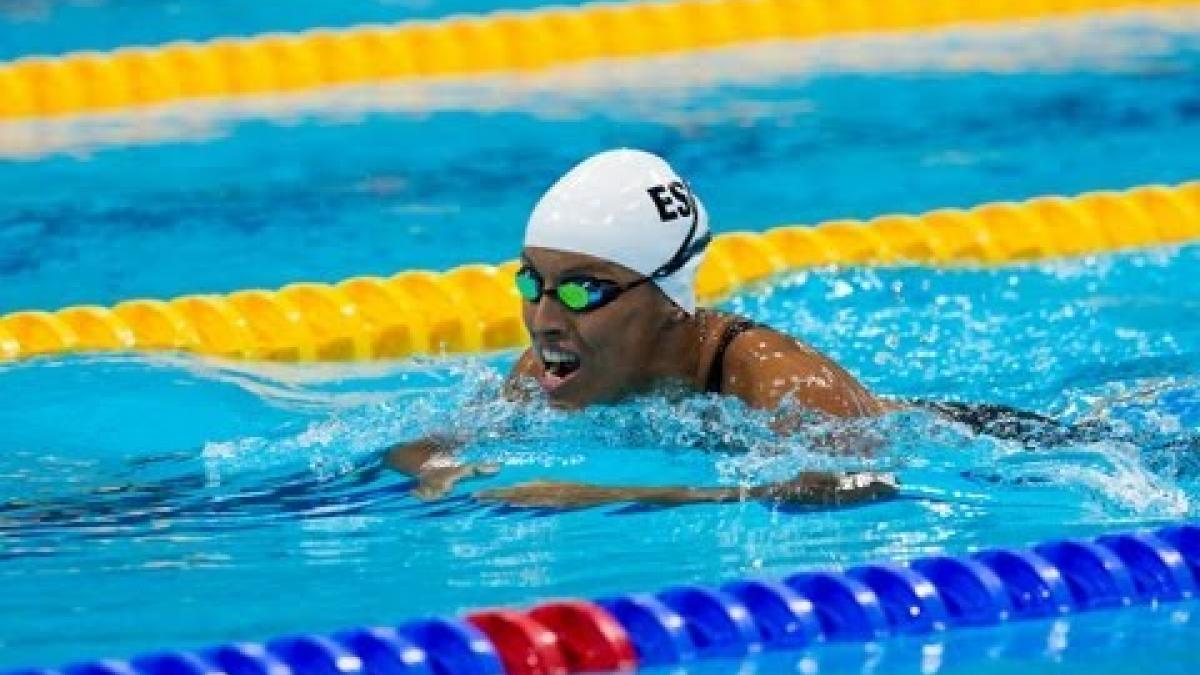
607, 279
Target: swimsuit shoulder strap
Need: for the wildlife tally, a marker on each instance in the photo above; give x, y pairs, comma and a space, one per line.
716, 372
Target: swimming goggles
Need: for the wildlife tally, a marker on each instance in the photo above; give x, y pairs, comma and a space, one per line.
583, 293
579, 293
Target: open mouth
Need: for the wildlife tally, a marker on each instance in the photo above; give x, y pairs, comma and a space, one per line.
559, 365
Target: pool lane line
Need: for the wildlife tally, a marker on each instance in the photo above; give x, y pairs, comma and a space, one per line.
504, 41
684, 624
475, 308
996, 50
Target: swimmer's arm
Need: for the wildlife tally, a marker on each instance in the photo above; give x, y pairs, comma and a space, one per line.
807, 489
431, 460
417, 457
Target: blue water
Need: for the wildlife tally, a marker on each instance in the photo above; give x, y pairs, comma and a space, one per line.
152, 502
232, 199
47, 27
171, 501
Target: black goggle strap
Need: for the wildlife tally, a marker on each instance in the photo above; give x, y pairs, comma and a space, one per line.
690, 247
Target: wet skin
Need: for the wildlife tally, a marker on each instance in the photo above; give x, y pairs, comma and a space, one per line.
642, 339
635, 344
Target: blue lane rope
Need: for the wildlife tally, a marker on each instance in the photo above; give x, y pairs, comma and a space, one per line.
685, 623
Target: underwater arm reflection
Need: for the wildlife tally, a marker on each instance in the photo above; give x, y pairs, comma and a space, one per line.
809, 488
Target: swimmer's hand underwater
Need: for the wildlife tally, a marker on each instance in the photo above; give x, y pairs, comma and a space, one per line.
808, 489
430, 461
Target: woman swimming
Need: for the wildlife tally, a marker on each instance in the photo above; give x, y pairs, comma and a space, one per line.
607, 277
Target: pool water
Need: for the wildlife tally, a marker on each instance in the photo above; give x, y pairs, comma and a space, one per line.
153, 501
46, 27
374, 181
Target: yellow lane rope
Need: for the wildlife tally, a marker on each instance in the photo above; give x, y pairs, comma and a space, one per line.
476, 308
467, 45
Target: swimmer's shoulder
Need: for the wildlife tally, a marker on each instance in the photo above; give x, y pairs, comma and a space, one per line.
752, 354
764, 367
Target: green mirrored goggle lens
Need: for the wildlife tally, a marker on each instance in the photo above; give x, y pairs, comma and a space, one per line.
529, 286
574, 295
577, 296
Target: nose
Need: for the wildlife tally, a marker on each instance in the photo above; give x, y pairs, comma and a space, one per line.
548, 319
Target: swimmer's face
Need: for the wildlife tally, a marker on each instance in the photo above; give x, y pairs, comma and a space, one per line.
596, 356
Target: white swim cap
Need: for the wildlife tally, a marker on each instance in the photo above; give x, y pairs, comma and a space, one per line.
631, 208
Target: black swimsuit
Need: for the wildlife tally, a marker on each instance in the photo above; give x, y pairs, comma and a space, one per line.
716, 371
